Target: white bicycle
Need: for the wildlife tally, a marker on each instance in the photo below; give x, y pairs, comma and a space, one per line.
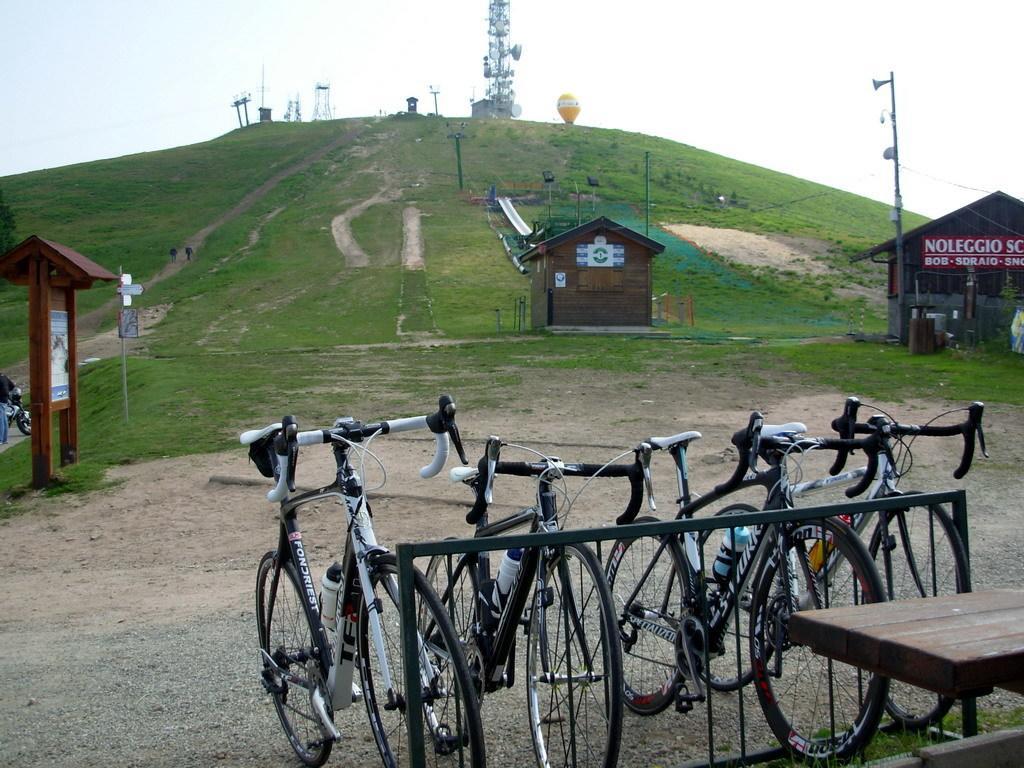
310, 646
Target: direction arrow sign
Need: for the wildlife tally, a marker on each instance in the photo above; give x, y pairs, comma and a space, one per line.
134, 289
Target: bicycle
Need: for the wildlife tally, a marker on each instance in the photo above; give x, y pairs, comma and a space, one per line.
310, 645
919, 554
673, 623
559, 596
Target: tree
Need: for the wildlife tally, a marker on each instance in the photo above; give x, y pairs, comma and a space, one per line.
7, 240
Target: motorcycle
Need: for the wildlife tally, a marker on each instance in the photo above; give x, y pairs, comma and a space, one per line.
16, 413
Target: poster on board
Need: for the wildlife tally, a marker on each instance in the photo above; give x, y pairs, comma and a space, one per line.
59, 376
1017, 331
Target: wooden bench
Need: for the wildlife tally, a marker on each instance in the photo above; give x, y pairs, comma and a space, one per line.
958, 645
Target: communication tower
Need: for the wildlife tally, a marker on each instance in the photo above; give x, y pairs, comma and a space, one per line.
294, 112
322, 105
500, 100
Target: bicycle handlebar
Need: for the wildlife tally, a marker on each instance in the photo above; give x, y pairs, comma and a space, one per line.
287, 439
844, 425
747, 442
847, 426
872, 445
489, 466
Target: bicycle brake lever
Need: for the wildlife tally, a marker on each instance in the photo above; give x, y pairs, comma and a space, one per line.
493, 451
644, 451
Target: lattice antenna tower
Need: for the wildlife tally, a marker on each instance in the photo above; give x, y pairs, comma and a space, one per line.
322, 106
498, 62
294, 112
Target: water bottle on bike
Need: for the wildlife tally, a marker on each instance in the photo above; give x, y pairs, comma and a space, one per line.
734, 542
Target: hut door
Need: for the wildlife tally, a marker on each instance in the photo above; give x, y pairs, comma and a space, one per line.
551, 306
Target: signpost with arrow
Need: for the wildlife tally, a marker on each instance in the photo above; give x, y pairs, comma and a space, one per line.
127, 327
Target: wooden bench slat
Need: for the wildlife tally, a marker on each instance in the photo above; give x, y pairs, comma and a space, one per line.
950, 644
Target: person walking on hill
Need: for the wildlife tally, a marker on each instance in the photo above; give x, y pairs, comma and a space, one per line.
6, 385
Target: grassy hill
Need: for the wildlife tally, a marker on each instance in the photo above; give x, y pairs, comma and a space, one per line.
129, 211
269, 312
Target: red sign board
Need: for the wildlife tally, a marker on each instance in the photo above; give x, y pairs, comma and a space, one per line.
980, 252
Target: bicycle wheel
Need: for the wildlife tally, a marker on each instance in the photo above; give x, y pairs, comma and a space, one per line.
451, 716
458, 592
645, 579
729, 658
573, 663
289, 633
919, 553
820, 709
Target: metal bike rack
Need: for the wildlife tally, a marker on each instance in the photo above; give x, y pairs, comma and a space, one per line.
408, 552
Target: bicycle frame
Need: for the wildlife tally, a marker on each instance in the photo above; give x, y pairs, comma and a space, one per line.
543, 519
360, 546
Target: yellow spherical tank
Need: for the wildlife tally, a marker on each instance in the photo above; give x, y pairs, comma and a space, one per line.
568, 107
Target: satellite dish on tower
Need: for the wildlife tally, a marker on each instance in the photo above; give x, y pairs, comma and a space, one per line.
517, 51
516, 110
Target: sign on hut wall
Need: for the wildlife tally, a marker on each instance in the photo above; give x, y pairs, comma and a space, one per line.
959, 251
600, 254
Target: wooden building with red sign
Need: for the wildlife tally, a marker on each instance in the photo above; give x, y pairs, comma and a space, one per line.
964, 269
595, 275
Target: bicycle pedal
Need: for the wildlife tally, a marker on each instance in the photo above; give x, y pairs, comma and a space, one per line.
685, 700
357, 693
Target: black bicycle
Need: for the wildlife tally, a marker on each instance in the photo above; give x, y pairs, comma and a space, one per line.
675, 624
310, 645
557, 595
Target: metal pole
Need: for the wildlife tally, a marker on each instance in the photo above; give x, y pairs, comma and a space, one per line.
577, 186
124, 354
647, 191
497, 313
458, 156
898, 203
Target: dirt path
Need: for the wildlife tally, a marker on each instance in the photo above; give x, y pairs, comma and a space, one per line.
127, 613
341, 227
412, 239
90, 322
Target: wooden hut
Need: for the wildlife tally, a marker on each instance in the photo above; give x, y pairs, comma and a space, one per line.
595, 275
960, 268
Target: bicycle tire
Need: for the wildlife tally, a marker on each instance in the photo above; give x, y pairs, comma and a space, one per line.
818, 708
927, 559
575, 709
451, 712
649, 622
287, 628
458, 591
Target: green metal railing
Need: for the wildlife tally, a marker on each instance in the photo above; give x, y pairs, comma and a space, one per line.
407, 553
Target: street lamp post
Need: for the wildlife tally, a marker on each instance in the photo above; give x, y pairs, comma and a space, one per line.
434, 91
458, 135
893, 153
549, 182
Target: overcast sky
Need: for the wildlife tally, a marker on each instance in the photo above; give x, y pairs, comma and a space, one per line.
784, 85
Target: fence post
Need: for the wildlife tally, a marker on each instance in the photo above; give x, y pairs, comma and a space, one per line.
410, 651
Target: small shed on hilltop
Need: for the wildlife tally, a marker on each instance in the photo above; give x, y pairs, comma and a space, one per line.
962, 268
597, 274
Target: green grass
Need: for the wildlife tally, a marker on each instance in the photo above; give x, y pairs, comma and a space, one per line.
199, 400
269, 291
